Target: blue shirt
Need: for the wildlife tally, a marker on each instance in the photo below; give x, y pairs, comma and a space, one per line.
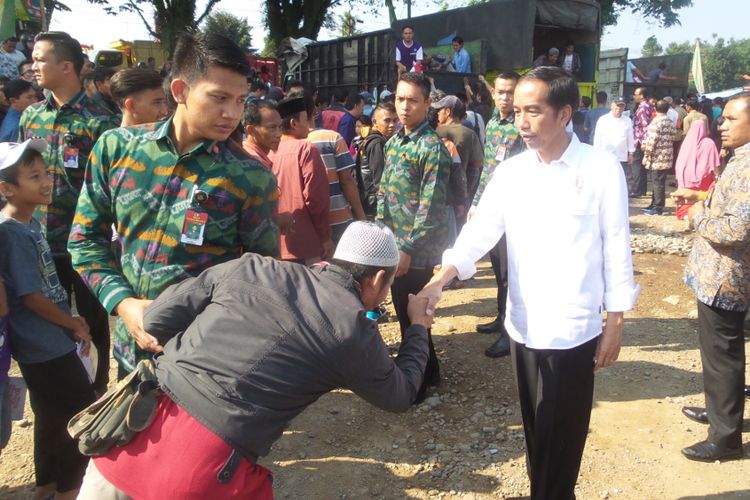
9, 128
462, 61
27, 267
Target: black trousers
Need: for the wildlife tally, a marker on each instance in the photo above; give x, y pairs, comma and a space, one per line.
637, 174
58, 389
658, 188
92, 311
412, 282
556, 389
499, 261
721, 335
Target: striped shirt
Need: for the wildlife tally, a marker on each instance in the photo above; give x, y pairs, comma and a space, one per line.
336, 157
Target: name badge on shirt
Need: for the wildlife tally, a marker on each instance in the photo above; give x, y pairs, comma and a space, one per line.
500, 156
70, 157
195, 225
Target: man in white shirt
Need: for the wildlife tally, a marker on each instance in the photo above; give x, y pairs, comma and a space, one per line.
565, 263
614, 134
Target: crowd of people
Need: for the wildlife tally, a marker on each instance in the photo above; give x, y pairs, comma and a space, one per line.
245, 238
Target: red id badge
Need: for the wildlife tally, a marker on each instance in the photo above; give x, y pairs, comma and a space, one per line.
195, 225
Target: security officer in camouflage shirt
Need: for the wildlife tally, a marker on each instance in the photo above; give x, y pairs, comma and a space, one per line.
71, 123
182, 194
412, 201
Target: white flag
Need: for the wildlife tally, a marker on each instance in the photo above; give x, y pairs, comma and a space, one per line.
697, 69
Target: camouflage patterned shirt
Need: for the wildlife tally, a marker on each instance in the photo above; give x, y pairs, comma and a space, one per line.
138, 181
413, 191
70, 131
503, 141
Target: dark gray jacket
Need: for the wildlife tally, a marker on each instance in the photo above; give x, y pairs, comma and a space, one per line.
255, 341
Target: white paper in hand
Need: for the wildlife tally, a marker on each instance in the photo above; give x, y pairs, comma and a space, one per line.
89, 361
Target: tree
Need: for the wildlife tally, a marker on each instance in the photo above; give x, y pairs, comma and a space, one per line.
171, 17
661, 12
724, 63
678, 48
348, 24
233, 27
651, 47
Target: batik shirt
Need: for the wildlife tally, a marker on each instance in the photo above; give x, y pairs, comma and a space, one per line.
70, 131
412, 196
718, 269
138, 181
658, 145
503, 141
642, 118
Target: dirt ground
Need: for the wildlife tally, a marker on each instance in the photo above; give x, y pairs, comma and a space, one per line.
466, 440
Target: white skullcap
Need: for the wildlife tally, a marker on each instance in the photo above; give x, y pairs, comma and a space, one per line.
368, 244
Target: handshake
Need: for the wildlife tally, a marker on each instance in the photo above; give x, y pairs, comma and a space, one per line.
421, 308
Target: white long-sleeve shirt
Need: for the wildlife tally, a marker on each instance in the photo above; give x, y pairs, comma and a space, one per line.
615, 135
568, 239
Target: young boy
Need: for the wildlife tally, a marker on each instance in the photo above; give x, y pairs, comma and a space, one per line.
42, 332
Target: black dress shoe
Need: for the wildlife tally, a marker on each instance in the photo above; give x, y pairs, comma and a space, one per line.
695, 414
747, 391
500, 348
494, 326
706, 451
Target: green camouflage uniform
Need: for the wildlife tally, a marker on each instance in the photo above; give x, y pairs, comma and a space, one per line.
141, 184
501, 133
74, 126
413, 190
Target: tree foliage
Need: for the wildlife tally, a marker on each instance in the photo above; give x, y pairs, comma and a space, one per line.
662, 12
724, 61
171, 17
651, 47
233, 27
348, 24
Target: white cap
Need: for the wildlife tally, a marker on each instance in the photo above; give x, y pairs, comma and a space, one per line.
369, 244
11, 152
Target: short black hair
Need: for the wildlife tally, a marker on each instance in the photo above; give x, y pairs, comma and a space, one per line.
568, 43
643, 91
586, 101
662, 106
10, 174
360, 271
252, 115
432, 117
407, 26
459, 110
743, 96
195, 53
23, 63
385, 106
11, 39
340, 94
15, 88
458, 39
64, 46
294, 83
130, 81
102, 73
508, 75
601, 97
662, 65
562, 89
352, 100
692, 102
419, 80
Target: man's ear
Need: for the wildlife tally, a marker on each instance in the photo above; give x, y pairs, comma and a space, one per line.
566, 113
180, 90
128, 104
379, 279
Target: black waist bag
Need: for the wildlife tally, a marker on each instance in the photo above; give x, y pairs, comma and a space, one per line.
123, 411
